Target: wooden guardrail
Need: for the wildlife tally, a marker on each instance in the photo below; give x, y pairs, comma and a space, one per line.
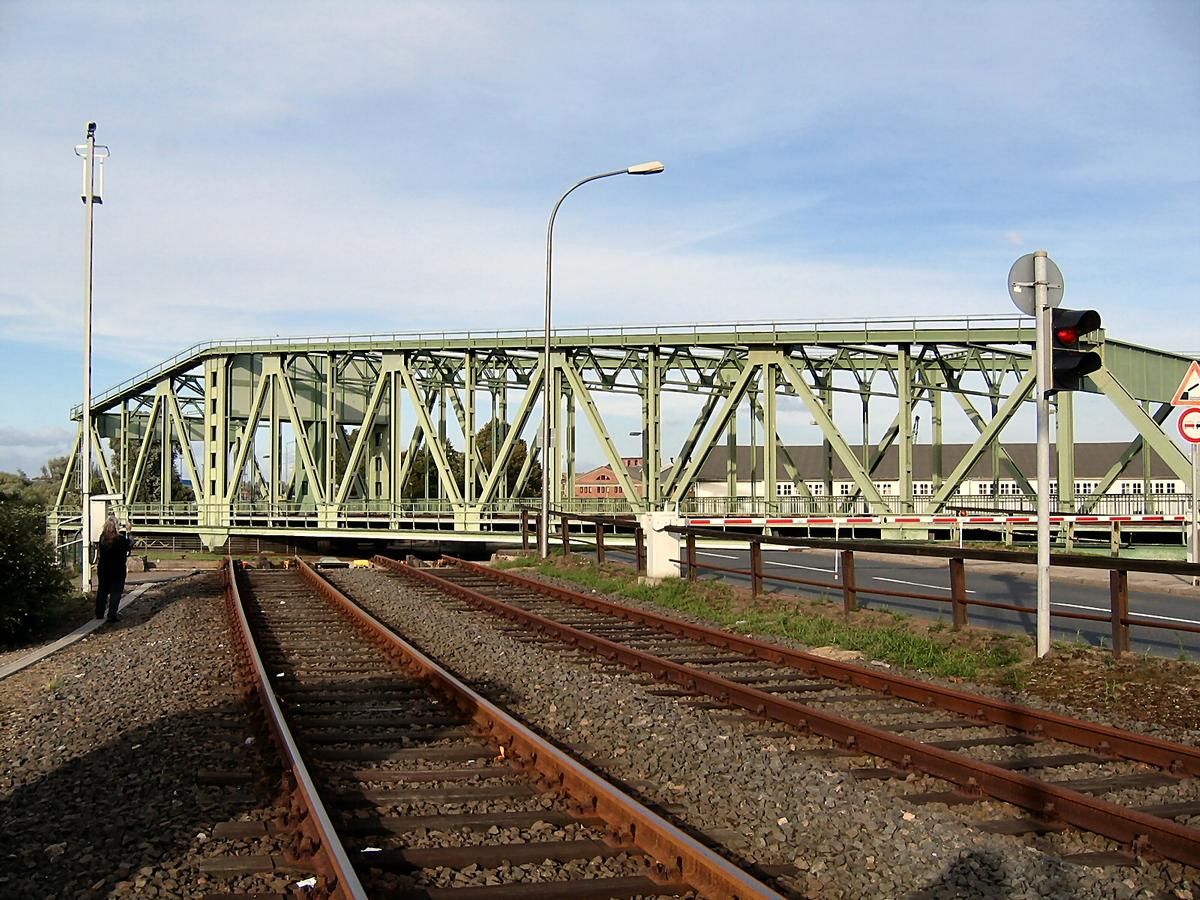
1119, 618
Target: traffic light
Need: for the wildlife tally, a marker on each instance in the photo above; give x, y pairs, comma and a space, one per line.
1069, 363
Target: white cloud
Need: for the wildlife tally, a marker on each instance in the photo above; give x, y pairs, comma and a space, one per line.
294, 169
27, 449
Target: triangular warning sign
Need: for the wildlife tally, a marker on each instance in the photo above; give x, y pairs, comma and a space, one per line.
1189, 389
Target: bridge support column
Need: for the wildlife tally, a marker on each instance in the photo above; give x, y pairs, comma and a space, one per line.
214, 538
662, 547
467, 518
327, 515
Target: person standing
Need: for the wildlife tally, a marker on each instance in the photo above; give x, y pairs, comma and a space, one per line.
110, 569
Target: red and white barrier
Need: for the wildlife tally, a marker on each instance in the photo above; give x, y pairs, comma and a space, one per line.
956, 521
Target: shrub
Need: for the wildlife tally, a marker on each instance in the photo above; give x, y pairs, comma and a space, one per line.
33, 590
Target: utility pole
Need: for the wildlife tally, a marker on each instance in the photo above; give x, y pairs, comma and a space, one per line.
90, 196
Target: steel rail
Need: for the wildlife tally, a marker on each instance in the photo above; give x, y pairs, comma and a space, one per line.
347, 884
1117, 742
1146, 833
677, 856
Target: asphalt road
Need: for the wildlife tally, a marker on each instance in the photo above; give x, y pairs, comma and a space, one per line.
1002, 584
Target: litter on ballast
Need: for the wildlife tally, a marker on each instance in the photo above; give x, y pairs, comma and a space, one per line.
307, 882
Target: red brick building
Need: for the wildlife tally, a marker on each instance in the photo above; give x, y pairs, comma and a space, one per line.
602, 483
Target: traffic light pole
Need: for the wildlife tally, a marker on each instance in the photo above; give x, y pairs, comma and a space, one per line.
1195, 535
1043, 451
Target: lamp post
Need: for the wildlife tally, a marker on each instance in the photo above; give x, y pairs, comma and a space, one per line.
93, 159
646, 168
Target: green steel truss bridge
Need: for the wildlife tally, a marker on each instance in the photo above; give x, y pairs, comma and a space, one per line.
435, 435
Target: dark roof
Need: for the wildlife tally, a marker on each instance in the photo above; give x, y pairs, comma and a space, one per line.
1092, 462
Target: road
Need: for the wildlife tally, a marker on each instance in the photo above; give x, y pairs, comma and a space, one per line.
1002, 584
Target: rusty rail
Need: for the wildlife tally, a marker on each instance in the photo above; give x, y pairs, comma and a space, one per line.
336, 865
1137, 829
679, 857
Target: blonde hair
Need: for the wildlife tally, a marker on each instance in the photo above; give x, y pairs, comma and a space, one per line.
109, 534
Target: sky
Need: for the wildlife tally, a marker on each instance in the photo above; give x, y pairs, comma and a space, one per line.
310, 168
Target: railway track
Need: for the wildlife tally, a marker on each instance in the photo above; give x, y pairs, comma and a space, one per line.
1065, 773
405, 782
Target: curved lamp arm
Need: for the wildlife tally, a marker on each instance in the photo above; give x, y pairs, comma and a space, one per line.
646, 168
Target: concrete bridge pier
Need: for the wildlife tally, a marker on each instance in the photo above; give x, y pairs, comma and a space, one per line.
662, 547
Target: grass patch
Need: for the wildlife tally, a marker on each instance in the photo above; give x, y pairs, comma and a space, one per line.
181, 554
889, 637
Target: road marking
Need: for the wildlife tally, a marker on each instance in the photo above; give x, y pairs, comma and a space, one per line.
936, 587
771, 562
1102, 609
717, 555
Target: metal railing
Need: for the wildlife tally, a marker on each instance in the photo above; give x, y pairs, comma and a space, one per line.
837, 505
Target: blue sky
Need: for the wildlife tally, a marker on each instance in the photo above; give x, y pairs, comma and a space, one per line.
302, 168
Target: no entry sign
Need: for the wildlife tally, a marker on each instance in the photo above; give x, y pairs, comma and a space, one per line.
1189, 424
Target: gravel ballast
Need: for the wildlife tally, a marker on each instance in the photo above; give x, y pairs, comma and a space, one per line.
103, 744
749, 784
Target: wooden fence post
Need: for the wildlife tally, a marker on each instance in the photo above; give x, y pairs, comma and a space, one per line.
756, 569
958, 592
566, 536
1118, 591
639, 541
691, 556
849, 587
599, 543
524, 529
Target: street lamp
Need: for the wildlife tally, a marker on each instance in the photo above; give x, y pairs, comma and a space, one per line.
92, 193
646, 168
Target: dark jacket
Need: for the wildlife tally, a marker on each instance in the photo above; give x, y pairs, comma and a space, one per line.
110, 560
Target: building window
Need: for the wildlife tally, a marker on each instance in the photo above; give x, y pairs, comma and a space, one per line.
1008, 489
1163, 487
1085, 487
1131, 487
784, 489
985, 489
922, 488
817, 488
844, 488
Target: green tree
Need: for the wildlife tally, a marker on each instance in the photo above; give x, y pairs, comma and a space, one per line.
516, 459
423, 464
41, 490
150, 488
33, 589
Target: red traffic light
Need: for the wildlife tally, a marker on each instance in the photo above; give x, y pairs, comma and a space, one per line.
1066, 335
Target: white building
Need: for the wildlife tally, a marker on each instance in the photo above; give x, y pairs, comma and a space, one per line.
1104, 481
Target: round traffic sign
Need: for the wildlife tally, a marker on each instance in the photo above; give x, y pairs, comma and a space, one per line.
1189, 424
1020, 280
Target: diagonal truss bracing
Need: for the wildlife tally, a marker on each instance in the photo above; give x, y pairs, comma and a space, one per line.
390, 425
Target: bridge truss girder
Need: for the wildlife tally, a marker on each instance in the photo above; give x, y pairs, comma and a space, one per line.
360, 415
